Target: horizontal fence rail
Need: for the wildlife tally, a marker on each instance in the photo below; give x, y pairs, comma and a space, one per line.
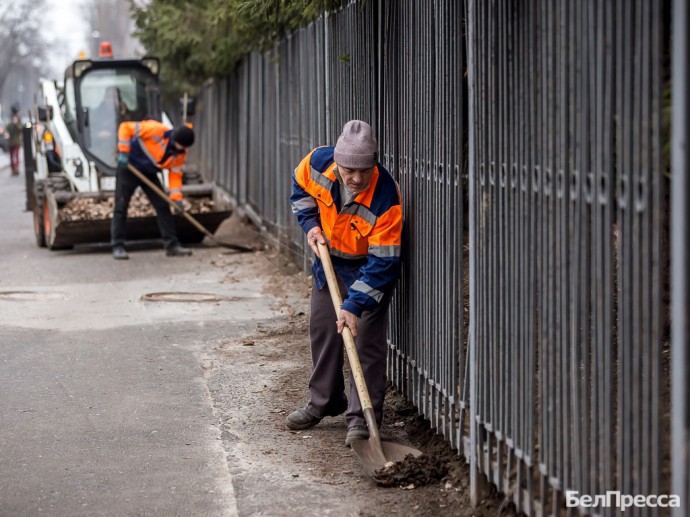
531, 322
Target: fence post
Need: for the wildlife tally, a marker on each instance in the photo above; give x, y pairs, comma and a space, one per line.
680, 255
476, 484
327, 70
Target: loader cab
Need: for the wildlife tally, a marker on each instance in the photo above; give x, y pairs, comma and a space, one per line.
100, 94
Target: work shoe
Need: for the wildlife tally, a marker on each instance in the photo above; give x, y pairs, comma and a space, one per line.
178, 251
356, 433
300, 419
119, 253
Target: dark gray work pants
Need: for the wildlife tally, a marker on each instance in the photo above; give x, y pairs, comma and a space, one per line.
327, 385
125, 185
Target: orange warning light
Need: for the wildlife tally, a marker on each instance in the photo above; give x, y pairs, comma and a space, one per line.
105, 49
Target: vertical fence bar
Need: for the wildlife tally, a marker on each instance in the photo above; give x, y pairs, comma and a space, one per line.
472, 82
681, 256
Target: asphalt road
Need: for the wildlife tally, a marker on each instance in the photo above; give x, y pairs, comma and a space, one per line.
103, 406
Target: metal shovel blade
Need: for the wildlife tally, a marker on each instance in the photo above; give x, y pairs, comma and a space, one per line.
232, 246
374, 454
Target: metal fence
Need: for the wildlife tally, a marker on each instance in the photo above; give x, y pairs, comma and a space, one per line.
259, 123
569, 227
562, 236
422, 65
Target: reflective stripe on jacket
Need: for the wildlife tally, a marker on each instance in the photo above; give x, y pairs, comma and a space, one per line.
364, 236
150, 148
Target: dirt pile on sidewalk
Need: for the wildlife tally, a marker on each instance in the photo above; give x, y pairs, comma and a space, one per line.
412, 472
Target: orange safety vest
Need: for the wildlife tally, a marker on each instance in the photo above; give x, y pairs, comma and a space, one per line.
150, 149
364, 236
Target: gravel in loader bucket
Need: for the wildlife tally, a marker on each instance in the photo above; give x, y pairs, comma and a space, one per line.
91, 209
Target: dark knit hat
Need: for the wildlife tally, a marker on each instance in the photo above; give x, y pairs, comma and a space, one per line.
357, 147
184, 135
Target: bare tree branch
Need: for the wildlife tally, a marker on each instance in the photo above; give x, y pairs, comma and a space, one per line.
21, 45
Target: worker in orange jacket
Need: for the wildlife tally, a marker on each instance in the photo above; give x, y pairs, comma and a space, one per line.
342, 196
149, 146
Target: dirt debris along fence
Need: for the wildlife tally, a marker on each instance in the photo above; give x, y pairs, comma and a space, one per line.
530, 139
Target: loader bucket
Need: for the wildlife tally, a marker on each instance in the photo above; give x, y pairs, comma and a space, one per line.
64, 227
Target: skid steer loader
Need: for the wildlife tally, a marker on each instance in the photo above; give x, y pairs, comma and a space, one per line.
72, 156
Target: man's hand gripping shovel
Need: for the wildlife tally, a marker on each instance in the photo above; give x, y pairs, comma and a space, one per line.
373, 453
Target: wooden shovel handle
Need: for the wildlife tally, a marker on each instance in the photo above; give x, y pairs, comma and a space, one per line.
172, 204
182, 212
349, 340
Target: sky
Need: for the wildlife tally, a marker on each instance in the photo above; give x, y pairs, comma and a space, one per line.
69, 32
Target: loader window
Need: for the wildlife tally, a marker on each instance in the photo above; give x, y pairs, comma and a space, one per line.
109, 97
67, 106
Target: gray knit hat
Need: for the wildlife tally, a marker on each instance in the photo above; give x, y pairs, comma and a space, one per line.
357, 147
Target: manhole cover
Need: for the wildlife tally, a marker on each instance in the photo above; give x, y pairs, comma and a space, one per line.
31, 296
185, 297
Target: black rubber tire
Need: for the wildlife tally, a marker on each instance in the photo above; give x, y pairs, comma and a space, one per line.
52, 184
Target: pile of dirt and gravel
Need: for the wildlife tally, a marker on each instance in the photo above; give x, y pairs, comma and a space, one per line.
412, 472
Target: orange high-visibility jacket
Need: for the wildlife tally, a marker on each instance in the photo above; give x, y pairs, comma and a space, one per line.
150, 146
364, 236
